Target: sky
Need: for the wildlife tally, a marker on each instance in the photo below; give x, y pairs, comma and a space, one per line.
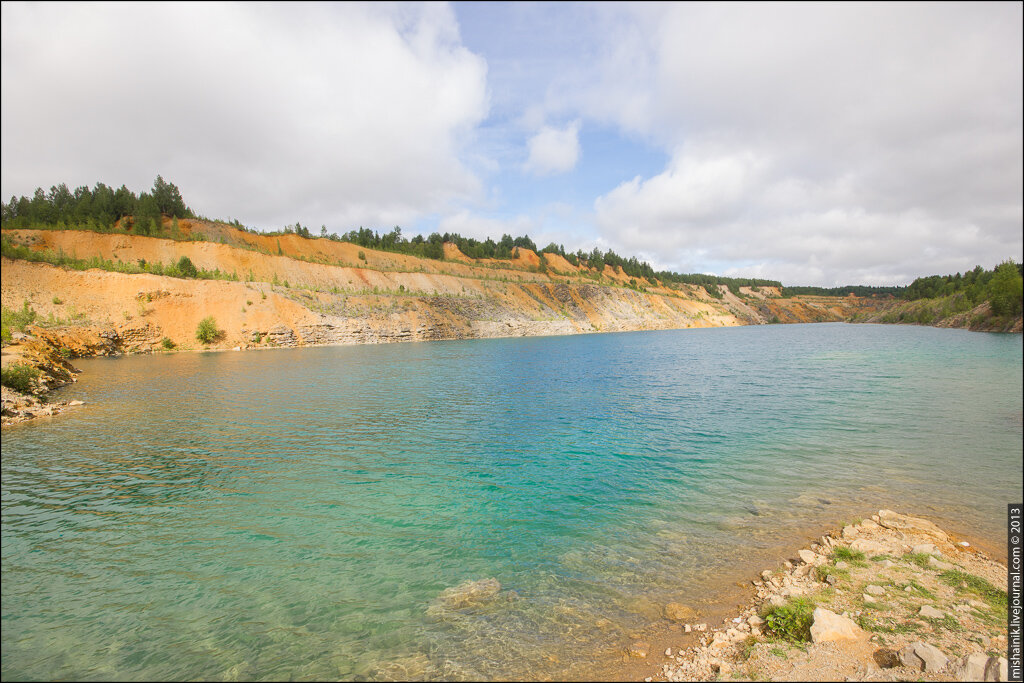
812, 143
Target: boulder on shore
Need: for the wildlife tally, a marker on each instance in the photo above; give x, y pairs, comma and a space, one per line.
923, 657
897, 522
829, 626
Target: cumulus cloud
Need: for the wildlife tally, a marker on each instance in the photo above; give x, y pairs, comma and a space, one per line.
825, 144
346, 114
553, 150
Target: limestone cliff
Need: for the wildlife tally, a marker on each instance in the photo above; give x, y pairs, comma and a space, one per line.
289, 291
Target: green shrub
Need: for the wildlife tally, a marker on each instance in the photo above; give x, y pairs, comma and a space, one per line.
167, 343
791, 621
207, 331
186, 267
19, 377
920, 559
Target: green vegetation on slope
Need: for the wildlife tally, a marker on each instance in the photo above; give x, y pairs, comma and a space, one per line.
15, 320
19, 377
184, 268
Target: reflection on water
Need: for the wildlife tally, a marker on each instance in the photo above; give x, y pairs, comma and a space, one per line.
299, 514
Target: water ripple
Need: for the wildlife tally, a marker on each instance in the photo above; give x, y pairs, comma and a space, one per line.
293, 514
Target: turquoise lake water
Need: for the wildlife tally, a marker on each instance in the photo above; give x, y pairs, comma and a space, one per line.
296, 514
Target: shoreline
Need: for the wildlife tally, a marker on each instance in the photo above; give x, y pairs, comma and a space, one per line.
46, 353
860, 574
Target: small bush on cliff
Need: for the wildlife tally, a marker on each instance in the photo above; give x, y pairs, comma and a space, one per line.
186, 267
167, 343
13, 319
207, 331
19, 377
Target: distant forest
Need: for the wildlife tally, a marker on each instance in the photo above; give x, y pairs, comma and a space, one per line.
102, 208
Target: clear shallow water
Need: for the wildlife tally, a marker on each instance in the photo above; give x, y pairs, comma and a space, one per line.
297, 513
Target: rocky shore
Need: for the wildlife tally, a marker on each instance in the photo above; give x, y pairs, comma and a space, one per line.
890, 598
53, 369
22, 407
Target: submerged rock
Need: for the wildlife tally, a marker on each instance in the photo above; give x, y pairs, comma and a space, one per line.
675, 611
466, 594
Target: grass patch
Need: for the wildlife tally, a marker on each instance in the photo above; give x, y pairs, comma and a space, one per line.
946, 623
19, 377
790, 622
747, 647
990, 617
883, 558
920, 559
879, 606
822, 572
779, 652
961, 581
869, 623
843, 554
920, 590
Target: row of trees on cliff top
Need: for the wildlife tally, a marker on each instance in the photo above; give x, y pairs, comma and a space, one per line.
103, 207
100, 207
